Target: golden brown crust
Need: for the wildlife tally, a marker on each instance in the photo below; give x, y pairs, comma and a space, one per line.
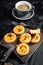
9, 37
35, 31
22, 49
19, 29
36, 38
25, 38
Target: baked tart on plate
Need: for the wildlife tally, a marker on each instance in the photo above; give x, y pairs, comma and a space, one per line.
34, 31
19, 29
22, 49
10, 37
36, 38
25, 38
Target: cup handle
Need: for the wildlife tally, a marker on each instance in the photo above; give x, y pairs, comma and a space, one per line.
33, 7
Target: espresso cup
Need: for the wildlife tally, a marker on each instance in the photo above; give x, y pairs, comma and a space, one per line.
22, 8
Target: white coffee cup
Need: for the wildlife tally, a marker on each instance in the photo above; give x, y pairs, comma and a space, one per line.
22, 12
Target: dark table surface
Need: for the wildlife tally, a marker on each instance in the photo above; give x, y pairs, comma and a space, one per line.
5, 26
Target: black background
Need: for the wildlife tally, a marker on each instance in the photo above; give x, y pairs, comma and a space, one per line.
6, 18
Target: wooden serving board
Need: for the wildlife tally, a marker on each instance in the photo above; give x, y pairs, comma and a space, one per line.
33, 48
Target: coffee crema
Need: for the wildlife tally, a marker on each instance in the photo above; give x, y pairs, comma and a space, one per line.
23, 7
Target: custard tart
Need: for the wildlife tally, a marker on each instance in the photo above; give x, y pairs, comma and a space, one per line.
36, 38
10, 37
22, 49
19, 29
25, 38
35, 31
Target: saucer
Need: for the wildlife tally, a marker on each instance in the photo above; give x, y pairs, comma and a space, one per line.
26, 17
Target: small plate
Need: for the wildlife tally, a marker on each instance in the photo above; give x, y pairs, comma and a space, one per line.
26, 17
